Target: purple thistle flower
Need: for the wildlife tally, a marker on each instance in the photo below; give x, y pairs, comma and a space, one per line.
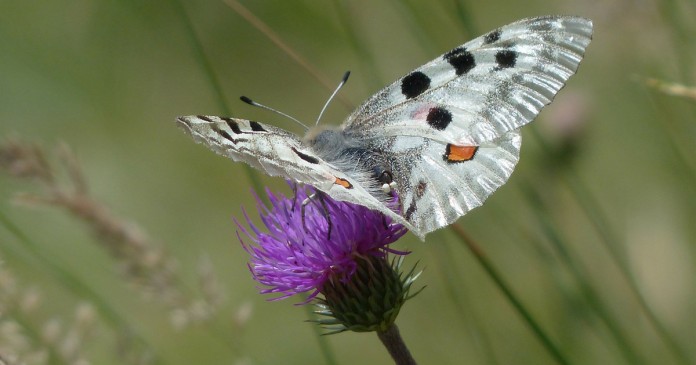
293, 258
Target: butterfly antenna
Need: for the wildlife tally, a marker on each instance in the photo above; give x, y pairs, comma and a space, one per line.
343, 82
251, 102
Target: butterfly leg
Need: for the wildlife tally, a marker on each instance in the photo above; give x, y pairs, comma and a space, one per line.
294, 199
325, 210
384, 222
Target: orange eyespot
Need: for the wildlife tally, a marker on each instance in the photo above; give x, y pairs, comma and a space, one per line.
343, 182
460, 153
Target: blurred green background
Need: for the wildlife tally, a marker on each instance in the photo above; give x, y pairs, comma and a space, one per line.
594, 233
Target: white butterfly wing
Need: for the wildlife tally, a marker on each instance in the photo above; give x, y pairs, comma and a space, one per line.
278, 153
437, 184
447, 132
452, 124
481, 90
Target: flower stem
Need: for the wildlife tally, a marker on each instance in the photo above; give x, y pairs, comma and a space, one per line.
391, 338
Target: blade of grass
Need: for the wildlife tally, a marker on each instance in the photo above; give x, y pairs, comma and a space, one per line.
679, 139
328, 84
358, 45
492, 272
579, 273
213, 79
71, 282
680, 26
595, 214
682, 32
477, 334
462, 13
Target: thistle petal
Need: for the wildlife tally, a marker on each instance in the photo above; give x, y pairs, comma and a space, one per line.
293, 257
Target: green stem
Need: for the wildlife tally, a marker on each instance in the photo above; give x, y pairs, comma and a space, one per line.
474, 248
392, 340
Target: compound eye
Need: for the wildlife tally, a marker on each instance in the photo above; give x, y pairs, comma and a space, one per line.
386, 177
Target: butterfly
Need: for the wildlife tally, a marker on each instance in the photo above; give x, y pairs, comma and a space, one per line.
439, 140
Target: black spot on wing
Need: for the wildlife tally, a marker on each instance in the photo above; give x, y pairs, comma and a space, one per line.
439, 118
506, 58
419, 192
205, 117
420, 189
225, 135
461, 59
234, 126
491, 37
256, 126
306, 157
414, 84
411, 209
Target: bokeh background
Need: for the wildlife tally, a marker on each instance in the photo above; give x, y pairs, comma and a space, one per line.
594, 234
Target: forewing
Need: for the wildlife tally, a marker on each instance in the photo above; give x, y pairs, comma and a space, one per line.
278, 153
479, 91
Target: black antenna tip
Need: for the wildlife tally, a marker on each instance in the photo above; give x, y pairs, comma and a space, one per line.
345, 76
246, 100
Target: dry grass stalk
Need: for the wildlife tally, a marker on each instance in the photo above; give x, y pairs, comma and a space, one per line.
21, 340
674, 89
143, 262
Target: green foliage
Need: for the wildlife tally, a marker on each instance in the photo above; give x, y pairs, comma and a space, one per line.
587, 255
